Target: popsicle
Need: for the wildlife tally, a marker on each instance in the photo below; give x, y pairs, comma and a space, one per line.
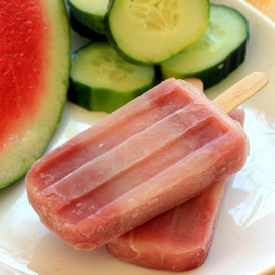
180, 238
149, 156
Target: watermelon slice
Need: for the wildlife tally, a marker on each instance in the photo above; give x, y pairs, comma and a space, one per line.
34, 70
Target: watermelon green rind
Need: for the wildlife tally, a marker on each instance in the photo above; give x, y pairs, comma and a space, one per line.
28, 137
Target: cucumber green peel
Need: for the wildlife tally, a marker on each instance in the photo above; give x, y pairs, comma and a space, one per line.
90, 13
151, 31
102, 81
217, 54
84, 30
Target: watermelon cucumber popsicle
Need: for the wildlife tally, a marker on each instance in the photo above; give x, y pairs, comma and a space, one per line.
149, 156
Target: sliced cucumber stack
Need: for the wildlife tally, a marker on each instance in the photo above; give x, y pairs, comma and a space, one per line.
90, 13
220, 51
102, 81
151, 31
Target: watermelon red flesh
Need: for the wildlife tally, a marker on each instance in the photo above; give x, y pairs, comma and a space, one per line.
34, 73
179, 239
23, 59
128, 180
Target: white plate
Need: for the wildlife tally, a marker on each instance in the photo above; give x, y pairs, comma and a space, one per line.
244, 240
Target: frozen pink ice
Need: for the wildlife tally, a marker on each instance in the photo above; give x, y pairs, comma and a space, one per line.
180, 238
149, 156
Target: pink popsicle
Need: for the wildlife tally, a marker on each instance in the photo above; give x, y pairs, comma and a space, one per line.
149, 156
180, 238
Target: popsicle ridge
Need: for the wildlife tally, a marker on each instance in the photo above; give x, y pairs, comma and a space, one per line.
132, 177
133, 204
96, 140
147, 142
187, 144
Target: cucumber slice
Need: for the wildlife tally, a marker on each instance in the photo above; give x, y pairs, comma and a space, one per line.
102, 81
85, 31
217, 54
151, 31
90, 13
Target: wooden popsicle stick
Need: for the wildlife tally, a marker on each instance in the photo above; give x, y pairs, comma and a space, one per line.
196, 82
241, 91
